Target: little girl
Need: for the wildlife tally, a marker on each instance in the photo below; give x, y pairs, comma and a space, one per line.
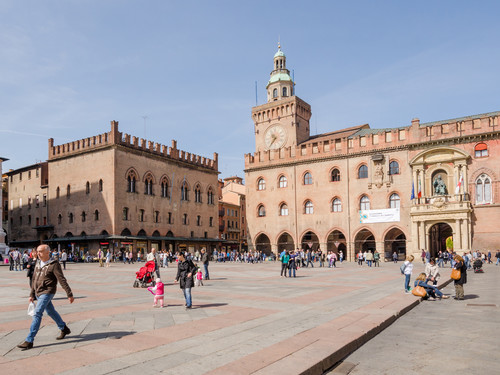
199, 277
157, 291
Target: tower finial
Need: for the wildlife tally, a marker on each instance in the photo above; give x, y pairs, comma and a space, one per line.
279, 43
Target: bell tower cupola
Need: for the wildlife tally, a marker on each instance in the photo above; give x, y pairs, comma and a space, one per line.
280, 83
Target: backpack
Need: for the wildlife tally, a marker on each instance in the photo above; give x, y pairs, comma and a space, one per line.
402, 269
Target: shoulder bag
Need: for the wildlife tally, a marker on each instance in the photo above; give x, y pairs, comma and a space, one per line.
419, 291
455, 274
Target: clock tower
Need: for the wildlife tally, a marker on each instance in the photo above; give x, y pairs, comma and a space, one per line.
284, 120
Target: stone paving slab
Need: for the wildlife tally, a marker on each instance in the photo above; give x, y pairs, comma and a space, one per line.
245, 320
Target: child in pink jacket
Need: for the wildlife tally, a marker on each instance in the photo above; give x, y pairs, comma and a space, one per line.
157, 291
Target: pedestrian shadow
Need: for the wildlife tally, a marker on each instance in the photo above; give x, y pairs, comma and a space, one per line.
471, 296
209, 305
75, 339
63, 298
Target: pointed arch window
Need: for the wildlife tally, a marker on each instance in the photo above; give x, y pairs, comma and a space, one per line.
164, 188
184, 192
308, 208
335, 175
210, 196
394, 201
100, 185
148, 185
131, 180
70, 218
364, 203
96, 215
308, 180
87, 188
84, 217
483, 189
337, 205
261, 184
261, 211
58, 191
197, 194
284, 209
283, 182
59, 219
68, 190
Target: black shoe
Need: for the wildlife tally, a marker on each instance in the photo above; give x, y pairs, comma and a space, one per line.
188, 307
25, 345
65, 331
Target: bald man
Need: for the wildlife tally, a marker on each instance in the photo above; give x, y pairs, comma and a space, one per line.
47, 274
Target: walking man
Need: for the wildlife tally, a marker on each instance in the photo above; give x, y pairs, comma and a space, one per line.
44, 285
204, 260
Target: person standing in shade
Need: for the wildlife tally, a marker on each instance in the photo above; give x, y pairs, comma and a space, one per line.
47, 274
205, 261
64, 258
395, 257
185, 273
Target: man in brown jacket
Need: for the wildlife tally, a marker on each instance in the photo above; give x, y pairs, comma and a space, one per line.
44, 285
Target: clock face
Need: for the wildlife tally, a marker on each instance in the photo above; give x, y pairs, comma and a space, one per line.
275, 137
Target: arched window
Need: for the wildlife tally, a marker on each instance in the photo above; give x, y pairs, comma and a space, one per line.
394, 201
148, 185
87, 188
59, 219
70, 218
308, 179
184, 192
275, 93
125, 213
164, 188
393, 167
363, 171
337, 205
100, 185
261, 211
335, 175
308, 208
58, 191
210, 196
68, 190
364, 203
483, 189
197, 194
481, 150
84, 217
285, 91
284, 209
283, 182
261, 184
96, 215
131, 179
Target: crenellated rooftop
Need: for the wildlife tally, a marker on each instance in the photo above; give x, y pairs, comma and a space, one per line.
115, 137
362, 139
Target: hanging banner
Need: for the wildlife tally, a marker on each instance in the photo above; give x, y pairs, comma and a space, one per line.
387, 215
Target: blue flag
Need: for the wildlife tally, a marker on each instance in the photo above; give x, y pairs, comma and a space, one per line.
412, 191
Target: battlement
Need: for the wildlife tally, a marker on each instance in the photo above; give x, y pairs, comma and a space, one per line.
114, 137
365, 140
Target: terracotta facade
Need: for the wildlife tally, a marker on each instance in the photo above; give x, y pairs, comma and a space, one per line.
351, 189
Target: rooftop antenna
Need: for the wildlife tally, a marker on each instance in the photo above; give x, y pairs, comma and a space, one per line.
144, 117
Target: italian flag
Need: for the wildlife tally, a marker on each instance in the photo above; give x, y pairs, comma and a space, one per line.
459, 184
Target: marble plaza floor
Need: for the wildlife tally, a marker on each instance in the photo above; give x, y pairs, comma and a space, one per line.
245, 320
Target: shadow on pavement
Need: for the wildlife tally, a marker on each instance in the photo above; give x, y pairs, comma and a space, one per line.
209, 305
63, 298
471, 296
90, 337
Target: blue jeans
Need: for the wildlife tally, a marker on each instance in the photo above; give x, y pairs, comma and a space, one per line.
290, 272
205, 266
407, 282
187, 296
44, 303
369, 262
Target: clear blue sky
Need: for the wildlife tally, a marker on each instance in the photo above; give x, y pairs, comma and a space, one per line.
68, 67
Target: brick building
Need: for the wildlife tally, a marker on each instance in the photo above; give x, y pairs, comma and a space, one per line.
232, 214
396, 189
3, 223
117, 191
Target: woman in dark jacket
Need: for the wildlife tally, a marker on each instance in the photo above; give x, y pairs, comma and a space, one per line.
185, 273
31, 265
459, 284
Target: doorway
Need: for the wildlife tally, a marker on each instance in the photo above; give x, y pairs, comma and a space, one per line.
437, 238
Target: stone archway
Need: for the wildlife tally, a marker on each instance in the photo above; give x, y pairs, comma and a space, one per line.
395, 241
262, 243
438, 234
310, 241
364, 241
285, 242
336, 242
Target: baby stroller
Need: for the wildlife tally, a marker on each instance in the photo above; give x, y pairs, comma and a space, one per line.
478, 266
144, 277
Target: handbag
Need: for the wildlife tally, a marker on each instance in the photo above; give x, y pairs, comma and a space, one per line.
455, 274
419, 291
31, 309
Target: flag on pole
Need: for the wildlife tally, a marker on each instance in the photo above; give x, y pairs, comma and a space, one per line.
419, 194
412, 191
459, 184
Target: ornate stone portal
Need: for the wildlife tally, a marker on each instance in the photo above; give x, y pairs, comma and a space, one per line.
435, 173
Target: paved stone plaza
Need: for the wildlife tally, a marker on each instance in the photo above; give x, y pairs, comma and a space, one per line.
245, 320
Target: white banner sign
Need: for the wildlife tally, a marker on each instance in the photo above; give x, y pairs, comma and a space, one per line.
388, 215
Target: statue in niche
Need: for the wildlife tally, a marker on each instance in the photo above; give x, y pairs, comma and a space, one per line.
378, 175
439, 186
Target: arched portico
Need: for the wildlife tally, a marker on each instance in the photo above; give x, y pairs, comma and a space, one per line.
309, 241
285, 242
262, 243
438, 233
336, 242
395, 241
364, 241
